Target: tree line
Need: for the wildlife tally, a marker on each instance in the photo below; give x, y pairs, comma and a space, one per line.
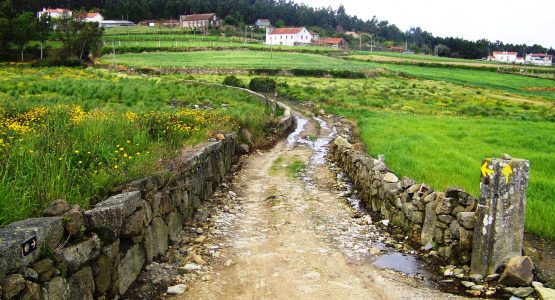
285, 12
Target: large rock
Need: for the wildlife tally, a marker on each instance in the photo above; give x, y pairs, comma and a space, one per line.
75, 220
390, 177
106, 221
430, 223
45, 269
56, 208
467, 220
48, 231
79, 254
12, 285
175, 225
32, 291
103, 274
129, 268
82, 285
129, 201
156, 238
56, 289
518, 272
134, 224
445, 206
463, 198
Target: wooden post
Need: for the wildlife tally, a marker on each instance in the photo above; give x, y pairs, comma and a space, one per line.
499, 231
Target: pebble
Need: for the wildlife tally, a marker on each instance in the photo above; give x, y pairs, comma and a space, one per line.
477, 287
468, 284
476, 278
200, 239
188, 268
207, 277
197, 259
375, 250
176, 289
492, 277
473, 293
228, 263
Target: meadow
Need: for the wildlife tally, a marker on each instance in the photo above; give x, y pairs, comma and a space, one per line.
76, 133
438, 132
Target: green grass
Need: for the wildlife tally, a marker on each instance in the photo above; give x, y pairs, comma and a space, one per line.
76, 133
235, 59
296, 168
438, 132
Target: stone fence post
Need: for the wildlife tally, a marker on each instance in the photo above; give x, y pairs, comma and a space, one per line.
499, 231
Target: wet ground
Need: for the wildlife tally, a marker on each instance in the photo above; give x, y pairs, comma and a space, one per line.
284, 232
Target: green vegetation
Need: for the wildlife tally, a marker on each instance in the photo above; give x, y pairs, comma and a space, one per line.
296, 168
76, 133
262, 85
438, 131
235, 59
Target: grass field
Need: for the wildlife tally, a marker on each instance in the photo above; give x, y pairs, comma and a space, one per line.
236, 59
438, 132
75, 133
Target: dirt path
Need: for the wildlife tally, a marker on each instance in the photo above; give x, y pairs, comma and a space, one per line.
294, 237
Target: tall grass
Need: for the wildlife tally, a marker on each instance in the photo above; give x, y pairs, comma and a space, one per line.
76, 133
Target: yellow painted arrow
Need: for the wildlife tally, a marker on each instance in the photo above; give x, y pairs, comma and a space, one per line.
507, 171
485, 170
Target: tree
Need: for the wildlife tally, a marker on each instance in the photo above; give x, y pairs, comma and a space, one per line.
441, 50
80, 39
44, 28
24, 28
280, 24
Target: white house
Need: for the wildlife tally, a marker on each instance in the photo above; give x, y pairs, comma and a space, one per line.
353, 34
263, 23
540, 59
92, 17
199, 21
288, 36
504, 57
55, 13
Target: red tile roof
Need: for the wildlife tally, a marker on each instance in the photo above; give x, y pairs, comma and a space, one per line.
91, 15
56, 10
287, 30
199, 17
504, 53
330, 41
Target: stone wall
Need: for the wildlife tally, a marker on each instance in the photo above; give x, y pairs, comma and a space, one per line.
441, 220
98, 253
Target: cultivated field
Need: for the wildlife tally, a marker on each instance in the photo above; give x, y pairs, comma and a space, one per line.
75, 133
438, 132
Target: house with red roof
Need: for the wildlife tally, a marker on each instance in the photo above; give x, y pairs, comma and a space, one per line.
199, 20
336, 43
55, 13
540, 59
504, 57
93, 17
288, 36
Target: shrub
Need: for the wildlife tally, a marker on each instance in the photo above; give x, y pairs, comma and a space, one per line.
262, 84
233, 81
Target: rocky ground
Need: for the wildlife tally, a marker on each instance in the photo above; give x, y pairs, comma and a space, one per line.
289, 226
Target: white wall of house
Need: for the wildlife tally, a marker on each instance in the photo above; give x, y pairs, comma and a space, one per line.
302, 37
506, 57
54, 14
546, 60
97, 18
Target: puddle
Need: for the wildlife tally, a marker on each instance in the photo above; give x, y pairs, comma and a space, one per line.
407, 264
294, 136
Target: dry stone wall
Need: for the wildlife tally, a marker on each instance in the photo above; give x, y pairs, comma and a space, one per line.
98, 253
442, 220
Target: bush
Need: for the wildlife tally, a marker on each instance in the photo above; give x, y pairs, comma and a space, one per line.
262, 85
233, 81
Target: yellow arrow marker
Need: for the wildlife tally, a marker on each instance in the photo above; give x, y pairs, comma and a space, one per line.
485, 170
507, 171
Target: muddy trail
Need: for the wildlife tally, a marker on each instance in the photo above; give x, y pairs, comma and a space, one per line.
287, 228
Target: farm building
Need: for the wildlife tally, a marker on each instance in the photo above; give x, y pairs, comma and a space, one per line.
540, 59
55, 13
288, 36
91, 17
504, 57
115, 23
353, 34
263, 23
160, 23
199, 21
336, 43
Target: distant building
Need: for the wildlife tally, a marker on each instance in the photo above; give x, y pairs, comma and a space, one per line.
353, 34
55, 13
504, 57
91, 17
396, 49
263, 23
540, 59
288, 36
199, 21
160, 23
115, 23
336, 43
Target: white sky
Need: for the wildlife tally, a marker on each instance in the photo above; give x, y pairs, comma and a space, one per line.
510, 21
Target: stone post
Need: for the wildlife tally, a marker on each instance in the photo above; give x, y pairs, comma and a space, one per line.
499, 231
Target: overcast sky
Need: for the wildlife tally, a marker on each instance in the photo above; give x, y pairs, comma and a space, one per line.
510, 21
